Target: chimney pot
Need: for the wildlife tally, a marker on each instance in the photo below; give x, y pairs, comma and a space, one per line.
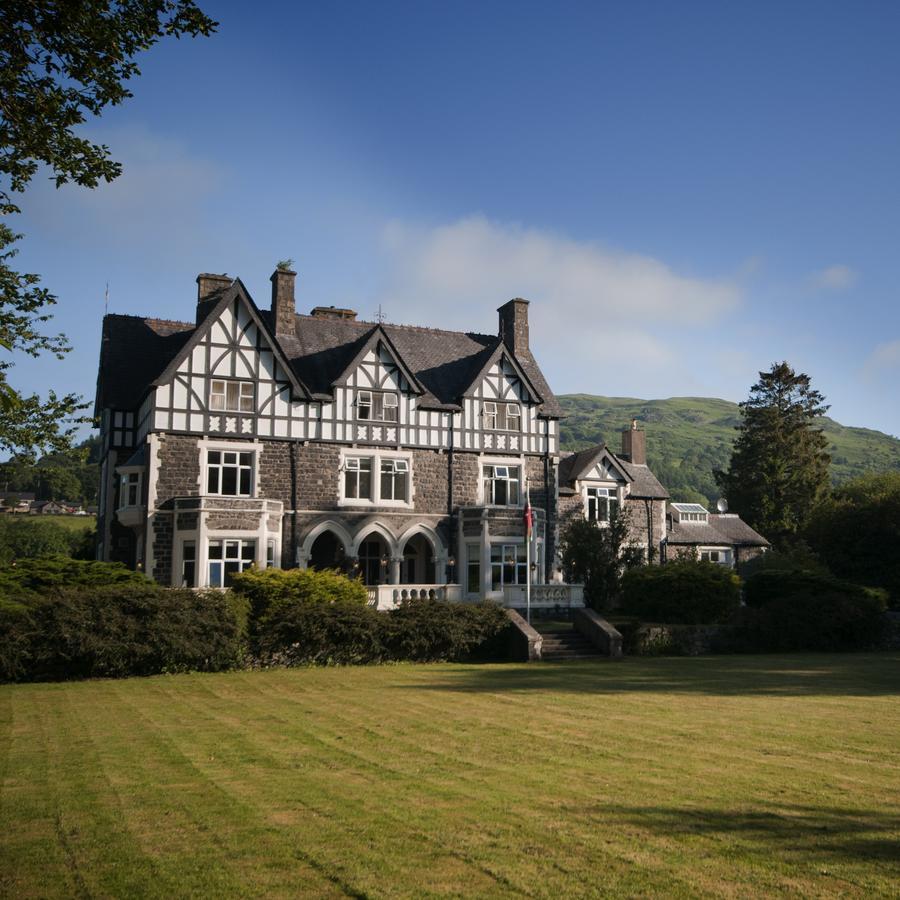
284, 308
209, 288
634, 444
514, 324
333, 312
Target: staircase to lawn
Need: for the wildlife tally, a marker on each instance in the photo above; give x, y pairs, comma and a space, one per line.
561, 641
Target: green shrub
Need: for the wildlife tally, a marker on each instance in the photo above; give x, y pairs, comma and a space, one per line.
311, 633
682, 592
803, 610
35, 577
26, 537
265, 588
118, 630
425, 630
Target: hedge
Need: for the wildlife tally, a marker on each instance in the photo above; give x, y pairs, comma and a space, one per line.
36, 577
804, 610
682, 592
117, 630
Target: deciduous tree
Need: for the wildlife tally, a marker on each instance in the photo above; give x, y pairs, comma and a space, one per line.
59, 63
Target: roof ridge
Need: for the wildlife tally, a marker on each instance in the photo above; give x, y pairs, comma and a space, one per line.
149, 319
420, 328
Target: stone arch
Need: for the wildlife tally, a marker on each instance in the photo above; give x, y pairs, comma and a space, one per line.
338, 529
437, 545
366, 530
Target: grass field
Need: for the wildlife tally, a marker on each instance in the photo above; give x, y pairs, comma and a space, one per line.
73, 523
751, 776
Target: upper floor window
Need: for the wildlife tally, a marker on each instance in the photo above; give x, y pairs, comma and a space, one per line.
376, 406
358, 478
379, 478
394, 479
131, 489
501, 416
600, 503
231, 396
502, 485
229, 473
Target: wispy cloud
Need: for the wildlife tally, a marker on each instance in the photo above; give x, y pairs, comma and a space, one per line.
885, 356
833, 278
595, 310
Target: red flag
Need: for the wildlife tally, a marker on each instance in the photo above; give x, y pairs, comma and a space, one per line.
528, 517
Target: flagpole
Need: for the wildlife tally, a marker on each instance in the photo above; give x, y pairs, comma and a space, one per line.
528, 553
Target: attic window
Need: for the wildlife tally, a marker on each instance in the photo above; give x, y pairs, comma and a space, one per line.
501, 416
600, 503
376, 407
231, 396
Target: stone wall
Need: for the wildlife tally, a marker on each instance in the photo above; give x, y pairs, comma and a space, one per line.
178, 474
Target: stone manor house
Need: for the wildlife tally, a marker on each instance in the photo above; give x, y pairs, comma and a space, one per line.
401, 454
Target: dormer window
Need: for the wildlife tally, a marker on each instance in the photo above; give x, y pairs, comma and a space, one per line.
231, 396
376, 406
497, 416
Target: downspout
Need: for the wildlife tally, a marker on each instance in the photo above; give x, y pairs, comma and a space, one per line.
648, 506
295, 549
549, 542
451, 538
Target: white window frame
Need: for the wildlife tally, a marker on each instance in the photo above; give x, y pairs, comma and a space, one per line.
357, 465
724, 554
243, 562
130, 479
497, 415
377, 457
612, 494
393, 466
242, 398
249, 468
486, 497
378, 403
206, 444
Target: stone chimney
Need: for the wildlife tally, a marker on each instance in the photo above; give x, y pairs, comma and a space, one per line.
333, 312
283, 306
209, 289
514, 324
634, 445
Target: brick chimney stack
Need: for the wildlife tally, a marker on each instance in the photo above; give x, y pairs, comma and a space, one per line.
283, 304
634, 444
209, 289
514, 324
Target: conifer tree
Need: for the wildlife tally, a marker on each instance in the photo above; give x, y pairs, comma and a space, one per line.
779, 464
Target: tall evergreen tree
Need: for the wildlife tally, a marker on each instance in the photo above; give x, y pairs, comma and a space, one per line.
779, 465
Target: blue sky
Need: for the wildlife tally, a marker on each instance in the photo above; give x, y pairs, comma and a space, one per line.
687, 193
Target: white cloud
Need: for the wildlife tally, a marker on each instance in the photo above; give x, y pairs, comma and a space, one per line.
833, 278
885, 356
594, 312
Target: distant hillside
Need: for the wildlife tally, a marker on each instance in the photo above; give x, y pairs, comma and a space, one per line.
688, 437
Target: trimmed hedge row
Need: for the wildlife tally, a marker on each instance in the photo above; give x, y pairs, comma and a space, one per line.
683, 592
134, 627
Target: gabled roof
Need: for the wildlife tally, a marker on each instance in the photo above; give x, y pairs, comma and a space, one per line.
644, 484
575, 467
499, 352
722, 530
376, 337
138, 352
213, 309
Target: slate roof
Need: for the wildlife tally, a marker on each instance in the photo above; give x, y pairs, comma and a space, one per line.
726, 529
135, 352
644, 484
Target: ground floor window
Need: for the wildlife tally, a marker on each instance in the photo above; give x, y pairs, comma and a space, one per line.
188, 563
227, 557
473, 569
716, 556
508, 565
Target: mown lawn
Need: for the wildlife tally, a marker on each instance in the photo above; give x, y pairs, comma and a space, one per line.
739, 776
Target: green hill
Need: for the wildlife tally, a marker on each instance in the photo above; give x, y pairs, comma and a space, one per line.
689, 437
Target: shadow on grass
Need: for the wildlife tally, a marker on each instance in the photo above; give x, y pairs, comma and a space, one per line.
861, 674
819, 834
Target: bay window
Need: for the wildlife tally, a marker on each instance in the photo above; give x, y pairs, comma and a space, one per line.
508, 565
227, 557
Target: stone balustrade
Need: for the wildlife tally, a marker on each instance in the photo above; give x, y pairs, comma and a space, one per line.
389, 596
545, 596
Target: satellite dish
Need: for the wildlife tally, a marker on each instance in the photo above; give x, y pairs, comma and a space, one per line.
722, 505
